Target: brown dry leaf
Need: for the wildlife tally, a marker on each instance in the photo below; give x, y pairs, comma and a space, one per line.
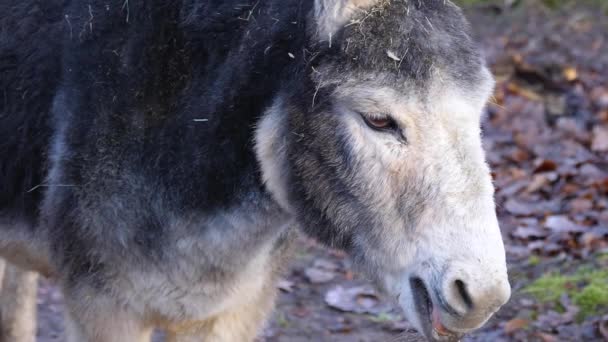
570, 74
544, 165
601, 185
515, 325
547, 337
524, 92
599, 142
570, 189
541, 180
595, 238
519, 155
580, 205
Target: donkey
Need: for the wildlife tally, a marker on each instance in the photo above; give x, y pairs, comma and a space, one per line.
157, 157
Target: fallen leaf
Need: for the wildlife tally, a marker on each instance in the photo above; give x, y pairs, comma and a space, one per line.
526, 233
595, 238
519, 155
561, 223
358, 299
591, 172
318, 276
570, 74
600, 97
285, 285
513, 188
521, 208
541, 180
517, 252
544, 165
524, 92
400, 326
515, 324
548, 248
599, 141
554, 319
546, 337
580, 205
518, 208
555, 105
325, 264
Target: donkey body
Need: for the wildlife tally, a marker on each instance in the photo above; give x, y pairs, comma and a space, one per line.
155, 156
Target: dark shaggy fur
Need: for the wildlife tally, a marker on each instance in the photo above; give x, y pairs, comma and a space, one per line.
130, 82
117, 117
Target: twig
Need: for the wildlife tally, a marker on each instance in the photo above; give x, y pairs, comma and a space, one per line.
126, 4
50, 185
67, 19
91, 19
251, 11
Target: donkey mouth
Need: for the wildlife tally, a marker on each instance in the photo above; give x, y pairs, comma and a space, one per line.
428, 315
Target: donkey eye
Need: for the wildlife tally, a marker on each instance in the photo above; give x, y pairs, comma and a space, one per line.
380, 122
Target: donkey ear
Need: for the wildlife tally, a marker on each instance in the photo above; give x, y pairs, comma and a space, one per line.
331, 15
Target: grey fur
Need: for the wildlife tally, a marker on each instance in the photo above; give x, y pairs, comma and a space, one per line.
179, 143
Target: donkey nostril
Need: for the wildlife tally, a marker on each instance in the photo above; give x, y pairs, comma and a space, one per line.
464, 293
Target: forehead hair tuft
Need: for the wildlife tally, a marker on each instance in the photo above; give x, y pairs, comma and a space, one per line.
331, 15
409, 39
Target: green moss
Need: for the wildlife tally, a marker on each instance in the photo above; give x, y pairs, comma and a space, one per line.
534, 260
549, 287
282, 321
593, 297
382, 318
588, 290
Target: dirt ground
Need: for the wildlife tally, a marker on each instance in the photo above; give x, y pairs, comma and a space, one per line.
546, 133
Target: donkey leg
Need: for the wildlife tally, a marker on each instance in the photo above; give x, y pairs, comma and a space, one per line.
96, 318
18, 304
239, 324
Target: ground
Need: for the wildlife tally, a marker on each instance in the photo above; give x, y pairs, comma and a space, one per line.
546, 133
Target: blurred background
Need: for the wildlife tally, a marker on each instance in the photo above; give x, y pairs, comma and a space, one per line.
546, 134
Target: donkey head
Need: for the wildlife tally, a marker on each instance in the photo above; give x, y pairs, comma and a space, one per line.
378, 151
